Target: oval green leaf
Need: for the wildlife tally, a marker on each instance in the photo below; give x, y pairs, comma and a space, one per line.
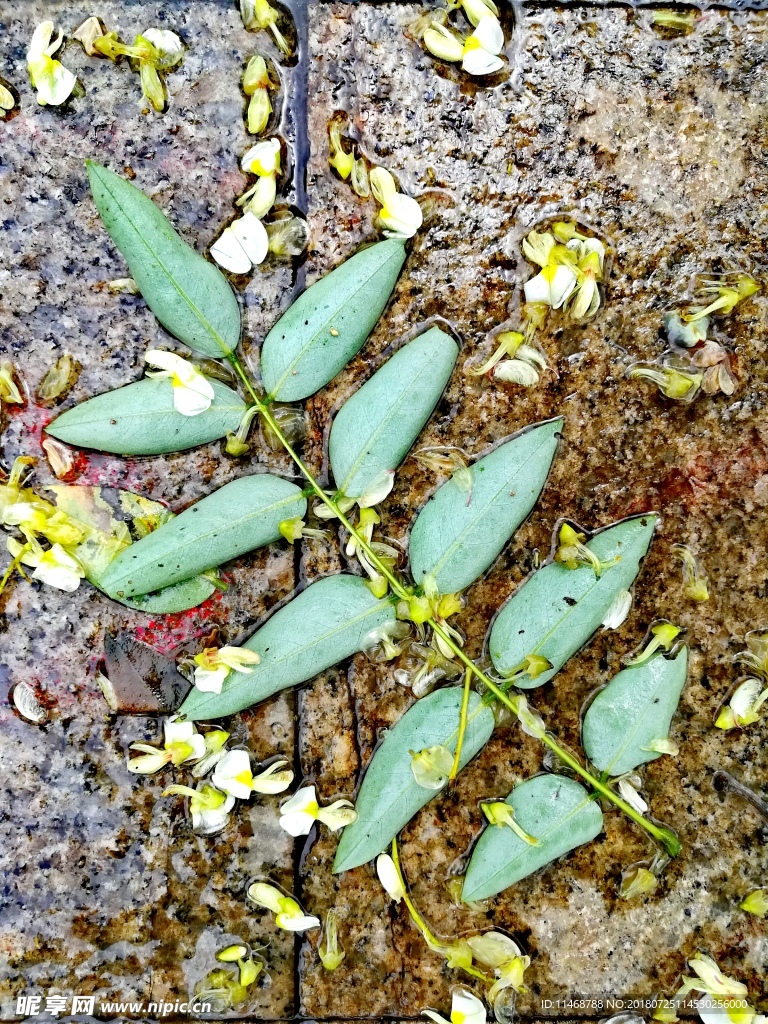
557, 609
111, 519
328, 324
139, 419
189, 296
634, 709
458, 534
553, 809
390, 796
241, 516
374, 430
325, 624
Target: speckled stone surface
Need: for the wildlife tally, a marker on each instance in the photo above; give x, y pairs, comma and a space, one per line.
658, 145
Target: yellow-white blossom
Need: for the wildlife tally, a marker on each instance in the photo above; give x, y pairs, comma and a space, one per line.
242, 245
432, 766
256, 85
756, 903
330, 953
208, 807
663, 635
248, 968
215, 742
465, 1009
499, 951
233, 775
502, 815
156, 50
51, 80
182, 744
682, 334
722, 998
288, 914
744, 705
674, 382
662, 745
213, 665
400, 216
275, 778
478, 53
287, 234
9, 392
263, 160
298, 815
694, 578
260, 14
7, 101
728, 296
572, 552
55, 567
637, 881
367, 520
552, 286
531, 722
389, 877
756, 655
192, 392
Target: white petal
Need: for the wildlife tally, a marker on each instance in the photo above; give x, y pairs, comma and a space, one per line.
563, 284
401, 216
208, 822
618, 611
377, 489
302, 800
467, 1008
229, 254
197, 742
389, 878
263, 196
189, 401
297, 922
266, 896
178, 732
54, 86
169, 45
744, 697
210, 680
489, 34
537, 289
252, 236
516, 371
297, 823
263, 158
382, 184
632, 797
480, 62
41, 37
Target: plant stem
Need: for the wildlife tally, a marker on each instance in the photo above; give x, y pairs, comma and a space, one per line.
15, 563
661, 834
462, 725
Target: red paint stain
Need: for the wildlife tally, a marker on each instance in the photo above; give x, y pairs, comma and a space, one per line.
167, 632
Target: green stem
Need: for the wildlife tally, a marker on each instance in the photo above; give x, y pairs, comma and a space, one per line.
663, 835
462, 725
15, 563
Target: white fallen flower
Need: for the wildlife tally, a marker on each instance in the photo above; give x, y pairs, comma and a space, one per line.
50, 79
431, 766
400, 216
517, 371
233, 775
192, 392
288, 914
466, 1008
618, 611
182, 744
213, 665
496, 950
479, 53
243, 245
298, 815
631, 795
209, 807
723, 999
55, 567
744, 706
552, 286
390, 877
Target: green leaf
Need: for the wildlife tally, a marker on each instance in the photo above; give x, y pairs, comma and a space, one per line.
189, 296
634, 709
241, 516
458, 534
139, 419
557, 609
390, 796
328, 324
374, 430
111, 519
325, 624
553, 809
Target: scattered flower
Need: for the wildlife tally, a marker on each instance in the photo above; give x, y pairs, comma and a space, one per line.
341, 161
716, 363
368, 519
58, 378
636, 882
215, 664
478, 53
275, 778
387, 641
287, 235
400, 216
431, 767
552, 286
756, 655
683, 334
694, 579
572, 552
680, 385
248, 968
232, 774
630, 795
87, 33
427, 667
7, 101
727, 299
531, 722
9, 392
182, 744
53, 82
192, 392
263, 160
618, 611
215, 742
743, 707
288, 914
496, 950
662, 745
59, 457
662, 636
221, 990
390, 877
299, 814
330, 953
243, 245
502, 814
465, 1009
256, 85
208, 806
722, 997
259, 14
154, 52
756, 903
55, 567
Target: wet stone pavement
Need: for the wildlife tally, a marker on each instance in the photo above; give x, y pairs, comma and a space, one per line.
660, 145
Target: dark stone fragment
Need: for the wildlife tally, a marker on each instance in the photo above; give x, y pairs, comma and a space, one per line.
140, 681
